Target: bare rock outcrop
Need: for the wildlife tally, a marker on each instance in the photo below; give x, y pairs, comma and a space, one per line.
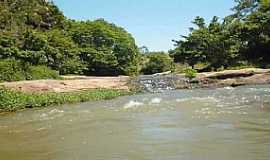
71, 84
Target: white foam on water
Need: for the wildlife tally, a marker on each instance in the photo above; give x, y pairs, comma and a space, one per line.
44, 115
132, 104
54, 111
183, 100
42, 129
229, 88
207, 99
155, 100
50, 115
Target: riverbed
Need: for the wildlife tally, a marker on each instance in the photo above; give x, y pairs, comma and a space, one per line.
205, 124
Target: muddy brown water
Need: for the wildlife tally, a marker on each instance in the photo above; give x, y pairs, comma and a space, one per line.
201, 124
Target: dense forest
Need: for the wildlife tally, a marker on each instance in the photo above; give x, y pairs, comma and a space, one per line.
35, 37
37, 41
242, 38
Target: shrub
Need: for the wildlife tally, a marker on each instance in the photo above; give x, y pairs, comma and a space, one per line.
42, 72
72, 66
157, 62
12, 70
190, 73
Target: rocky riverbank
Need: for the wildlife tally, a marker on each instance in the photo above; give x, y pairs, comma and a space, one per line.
233, 78
41, 93
149, 83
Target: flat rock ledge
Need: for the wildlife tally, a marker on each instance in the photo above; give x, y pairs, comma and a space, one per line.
70, 84
234, 78
150, 83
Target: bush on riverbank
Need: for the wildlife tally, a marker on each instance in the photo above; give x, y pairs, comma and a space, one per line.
14, 100
190, 73
13, 70
42, 72
157, 62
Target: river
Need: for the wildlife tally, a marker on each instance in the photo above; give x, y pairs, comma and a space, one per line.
200, 124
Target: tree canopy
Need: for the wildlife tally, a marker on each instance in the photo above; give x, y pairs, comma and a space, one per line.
37, 33
157, 62
242, 36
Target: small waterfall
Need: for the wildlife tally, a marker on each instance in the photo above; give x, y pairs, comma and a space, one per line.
160, 83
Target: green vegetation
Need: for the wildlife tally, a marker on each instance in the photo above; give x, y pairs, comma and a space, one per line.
241, 38
190, 73
36, 33
42, 72
157, 62
38, 41
13, 70
14, 100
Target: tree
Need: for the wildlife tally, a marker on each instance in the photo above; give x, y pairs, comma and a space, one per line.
37, 33
144, 50
108, 49
190, 48
157, 62
213, 44
254, 30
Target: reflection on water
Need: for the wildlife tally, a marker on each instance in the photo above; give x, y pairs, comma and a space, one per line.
204, 124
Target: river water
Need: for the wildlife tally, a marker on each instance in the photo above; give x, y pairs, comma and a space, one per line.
202, 124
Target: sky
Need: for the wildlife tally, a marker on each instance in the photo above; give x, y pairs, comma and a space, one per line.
153, 23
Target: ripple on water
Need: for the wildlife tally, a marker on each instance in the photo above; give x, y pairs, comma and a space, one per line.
159, 126
229, 88
52, 114
200, 99
155, 101
133, 104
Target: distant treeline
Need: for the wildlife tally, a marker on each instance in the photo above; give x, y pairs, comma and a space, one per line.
242, 38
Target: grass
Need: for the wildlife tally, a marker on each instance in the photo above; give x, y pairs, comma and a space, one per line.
11, 100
